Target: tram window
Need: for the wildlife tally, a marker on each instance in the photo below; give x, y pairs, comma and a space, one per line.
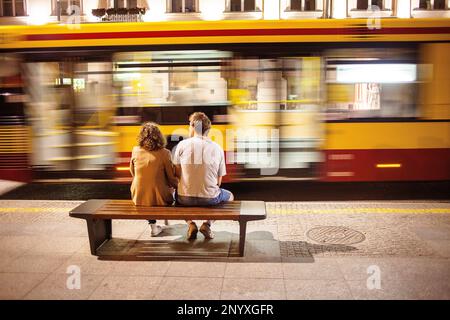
151, 114
13, 8
364, 90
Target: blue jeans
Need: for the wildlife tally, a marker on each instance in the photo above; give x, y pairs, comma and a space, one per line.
223, 196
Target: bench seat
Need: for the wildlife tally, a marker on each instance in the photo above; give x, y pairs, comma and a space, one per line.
99, 213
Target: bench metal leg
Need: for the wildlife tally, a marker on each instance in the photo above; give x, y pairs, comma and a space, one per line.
242, 233
99, 232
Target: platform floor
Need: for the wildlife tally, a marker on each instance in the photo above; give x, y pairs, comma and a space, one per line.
304, 250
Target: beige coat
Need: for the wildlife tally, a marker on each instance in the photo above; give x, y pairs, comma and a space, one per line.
153, 177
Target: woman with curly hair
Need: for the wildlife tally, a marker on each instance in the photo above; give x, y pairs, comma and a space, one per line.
153, 172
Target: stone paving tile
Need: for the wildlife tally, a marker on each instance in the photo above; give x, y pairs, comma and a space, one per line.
11, 228
33, 263
317, 290
140, 268
55, 288
126, 288
305, 249
262, 232
189, 288
253, 289
196, 269
17, 244
432, 232
395, 268
442, 247
254, 270
6, 258
266, 250
400, 289
88, 265
17, 285
320, 269
51, 245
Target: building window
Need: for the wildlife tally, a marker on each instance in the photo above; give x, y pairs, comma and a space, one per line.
243, 5
13, 8
66, 7
302, 5
129, 4
182, 6
365, 4
430, 5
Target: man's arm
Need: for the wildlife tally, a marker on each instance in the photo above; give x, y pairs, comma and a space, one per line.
178, 171
222, 168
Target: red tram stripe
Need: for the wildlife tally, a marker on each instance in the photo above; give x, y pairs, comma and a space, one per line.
236, 32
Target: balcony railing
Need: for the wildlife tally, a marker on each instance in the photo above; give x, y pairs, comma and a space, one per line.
119, 14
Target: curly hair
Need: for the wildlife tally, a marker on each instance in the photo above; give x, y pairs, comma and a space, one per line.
150, 137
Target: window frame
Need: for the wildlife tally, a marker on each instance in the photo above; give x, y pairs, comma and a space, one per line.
14, 9
385, 12
183, 7
257, 9
64, 14
126, 4
288, 6
417, 8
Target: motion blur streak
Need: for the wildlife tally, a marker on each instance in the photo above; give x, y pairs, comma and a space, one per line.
321, 99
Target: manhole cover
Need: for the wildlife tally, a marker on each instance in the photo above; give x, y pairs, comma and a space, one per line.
335, 235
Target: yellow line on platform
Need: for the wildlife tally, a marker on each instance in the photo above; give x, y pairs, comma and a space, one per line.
280, 211
32, 210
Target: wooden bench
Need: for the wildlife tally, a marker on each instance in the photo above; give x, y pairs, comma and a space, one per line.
99, 214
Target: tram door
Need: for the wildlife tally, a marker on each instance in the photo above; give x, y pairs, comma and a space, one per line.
70, 108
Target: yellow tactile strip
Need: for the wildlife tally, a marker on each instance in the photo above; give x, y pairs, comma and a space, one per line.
273, 208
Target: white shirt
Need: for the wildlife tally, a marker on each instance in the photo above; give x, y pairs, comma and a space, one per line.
202, 163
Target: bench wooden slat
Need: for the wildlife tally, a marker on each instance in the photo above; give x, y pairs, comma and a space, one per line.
131, 205
192, 215
156, 209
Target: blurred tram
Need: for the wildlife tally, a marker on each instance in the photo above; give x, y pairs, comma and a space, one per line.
331, 100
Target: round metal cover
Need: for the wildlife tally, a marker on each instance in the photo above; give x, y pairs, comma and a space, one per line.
335, 235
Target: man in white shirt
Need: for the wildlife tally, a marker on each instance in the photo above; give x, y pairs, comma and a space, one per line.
200, 164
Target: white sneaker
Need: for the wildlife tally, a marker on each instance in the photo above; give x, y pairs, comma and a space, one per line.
155, 229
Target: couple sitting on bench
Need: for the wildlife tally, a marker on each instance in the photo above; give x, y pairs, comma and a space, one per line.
195, 171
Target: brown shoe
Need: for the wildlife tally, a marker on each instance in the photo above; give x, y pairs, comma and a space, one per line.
192, 231
206, 230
